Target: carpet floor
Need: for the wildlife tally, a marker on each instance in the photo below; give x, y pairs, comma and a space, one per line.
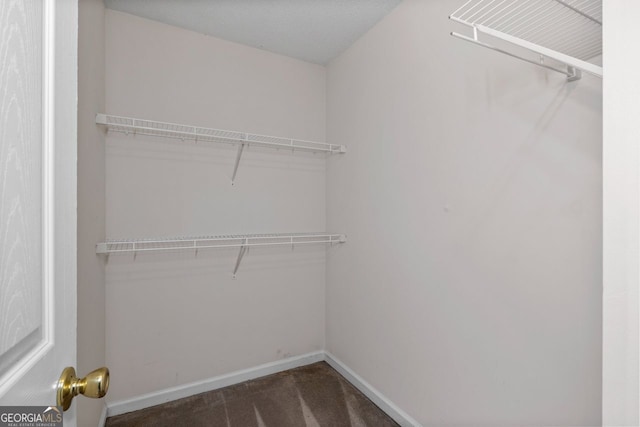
311, 396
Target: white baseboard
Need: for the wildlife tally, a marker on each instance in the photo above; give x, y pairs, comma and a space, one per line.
103, 416
186, 390
387, 406
190, 389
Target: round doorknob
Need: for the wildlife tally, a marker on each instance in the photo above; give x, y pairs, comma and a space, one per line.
95, 385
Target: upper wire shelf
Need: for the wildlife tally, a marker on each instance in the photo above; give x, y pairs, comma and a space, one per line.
134, 126
207, 242
241, 241
567, 31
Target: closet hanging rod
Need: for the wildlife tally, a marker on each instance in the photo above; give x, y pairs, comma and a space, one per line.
566, 31
135, 126
567, 72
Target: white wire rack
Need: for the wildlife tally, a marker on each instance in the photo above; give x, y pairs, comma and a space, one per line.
242, 241
567, 31
134, 126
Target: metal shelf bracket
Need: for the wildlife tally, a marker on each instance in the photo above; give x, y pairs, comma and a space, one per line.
243, 250
235, 167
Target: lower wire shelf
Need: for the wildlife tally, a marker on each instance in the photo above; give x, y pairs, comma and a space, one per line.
242, 241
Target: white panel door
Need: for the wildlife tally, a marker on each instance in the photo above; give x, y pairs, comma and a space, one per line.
38, 91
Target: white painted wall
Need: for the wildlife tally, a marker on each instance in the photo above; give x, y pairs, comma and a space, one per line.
470, 290
621, 155
176, 318
91, 200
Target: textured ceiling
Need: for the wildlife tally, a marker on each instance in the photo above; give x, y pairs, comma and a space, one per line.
311, 30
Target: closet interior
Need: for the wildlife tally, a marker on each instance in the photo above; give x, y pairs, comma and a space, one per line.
427, 219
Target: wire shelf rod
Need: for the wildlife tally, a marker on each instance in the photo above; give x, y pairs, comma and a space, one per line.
175, 244
578, 11
590, 49
531, 20
177, 131
243, 242
473, 17
134, 246
576, 27
455, 13
592, 8
570, 43
559, 28
130, 125
576, 42
220, 238
594, 11
563, 24
513, 16
508, 13
527, 27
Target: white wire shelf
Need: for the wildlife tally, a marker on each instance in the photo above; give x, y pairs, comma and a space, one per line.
566, 31
207, 242
242, 241
134, 126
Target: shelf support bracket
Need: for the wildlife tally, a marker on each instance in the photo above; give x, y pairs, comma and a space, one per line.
243, 250
574, 74
235, 168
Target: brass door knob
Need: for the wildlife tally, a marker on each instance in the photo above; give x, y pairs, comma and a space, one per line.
95, 385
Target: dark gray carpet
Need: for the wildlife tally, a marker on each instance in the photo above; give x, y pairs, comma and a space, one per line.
310, 396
